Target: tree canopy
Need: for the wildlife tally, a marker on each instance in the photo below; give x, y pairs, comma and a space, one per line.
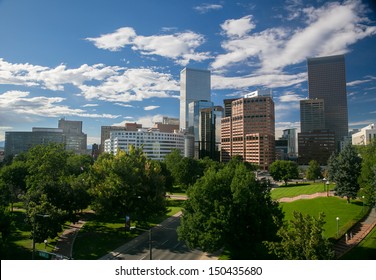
314, 171
302, 239
284, 170
128, 184
229, 208
367, 179
345, 170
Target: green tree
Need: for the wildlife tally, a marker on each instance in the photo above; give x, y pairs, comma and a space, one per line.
314, 171
184, 170
6, 225
367, 179
332, 166
229, 208
346, 171
284, 170
302, 239
128, 184
13, 177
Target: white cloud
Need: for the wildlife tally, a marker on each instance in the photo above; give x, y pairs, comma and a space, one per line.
21, 104
90, 105
115, 41
270, 81
290, 97
53, 78
180, 47
132, 85
146, 121
106, 83
204, 8
327, 30
149, 108
238, 27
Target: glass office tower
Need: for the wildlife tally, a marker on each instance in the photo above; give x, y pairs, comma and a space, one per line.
194, 86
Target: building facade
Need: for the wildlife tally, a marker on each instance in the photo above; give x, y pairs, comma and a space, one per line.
210, 133
105, 132
155, 144
194, 85
316, 145
365, 136
17, 142
312, 115
327, 81
250, 131
74, 139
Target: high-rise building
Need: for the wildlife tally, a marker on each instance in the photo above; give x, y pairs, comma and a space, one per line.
290, 136
194, 85
327, 81
250, 131
75, 139
316, 145
312, 115
194, 109
210, 133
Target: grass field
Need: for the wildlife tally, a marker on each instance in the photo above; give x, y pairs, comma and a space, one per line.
366, 250
333, 207
298, 189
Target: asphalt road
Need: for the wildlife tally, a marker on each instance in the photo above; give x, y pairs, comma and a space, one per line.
165, 245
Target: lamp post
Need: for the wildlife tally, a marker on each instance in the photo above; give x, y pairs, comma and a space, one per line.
362, 203
337, 226
324, 180
327, 188
150, 240
34, 222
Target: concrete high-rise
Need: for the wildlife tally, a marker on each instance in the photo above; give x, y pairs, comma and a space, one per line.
327, 81
194, 86
250, 131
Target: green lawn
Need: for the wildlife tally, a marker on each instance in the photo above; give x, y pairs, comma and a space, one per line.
298, 189
333, 207
366, 250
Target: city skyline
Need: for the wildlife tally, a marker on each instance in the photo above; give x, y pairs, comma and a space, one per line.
106, 63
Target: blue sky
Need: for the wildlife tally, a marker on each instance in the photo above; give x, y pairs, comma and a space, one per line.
107, 62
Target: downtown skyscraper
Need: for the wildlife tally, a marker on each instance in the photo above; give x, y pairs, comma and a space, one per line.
327, 81
250, 130
194, 86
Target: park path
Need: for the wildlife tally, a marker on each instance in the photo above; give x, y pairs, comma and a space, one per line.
356, 234
305, 196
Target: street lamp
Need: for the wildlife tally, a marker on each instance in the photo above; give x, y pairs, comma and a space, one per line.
337, 226
324, 180
362, 203
34, 222
150, 240
327, 188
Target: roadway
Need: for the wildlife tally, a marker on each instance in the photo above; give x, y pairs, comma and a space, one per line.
165, 245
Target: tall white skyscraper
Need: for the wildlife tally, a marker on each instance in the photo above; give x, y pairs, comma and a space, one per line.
194, 86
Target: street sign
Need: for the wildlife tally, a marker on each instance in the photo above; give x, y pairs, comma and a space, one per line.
44, 254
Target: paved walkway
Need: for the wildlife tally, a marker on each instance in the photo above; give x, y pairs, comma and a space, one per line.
64, 245
356, 234
305, 196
